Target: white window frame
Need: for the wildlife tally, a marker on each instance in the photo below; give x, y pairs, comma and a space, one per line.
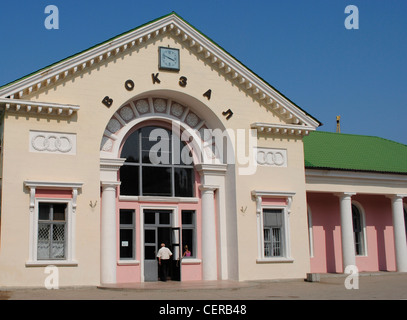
70, 222
286, 209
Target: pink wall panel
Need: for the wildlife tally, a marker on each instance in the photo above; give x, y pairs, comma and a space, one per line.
327, 248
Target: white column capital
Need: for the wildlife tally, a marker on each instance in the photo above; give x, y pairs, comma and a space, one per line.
208, 188
396, 196
110, 184
344, 195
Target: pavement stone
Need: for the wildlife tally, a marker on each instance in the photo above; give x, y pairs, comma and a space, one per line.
380, 286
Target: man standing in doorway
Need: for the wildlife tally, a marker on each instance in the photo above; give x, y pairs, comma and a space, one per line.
163, 256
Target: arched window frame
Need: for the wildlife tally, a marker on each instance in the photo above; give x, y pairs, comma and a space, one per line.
362, 237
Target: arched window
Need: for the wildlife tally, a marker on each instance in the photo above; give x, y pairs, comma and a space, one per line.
358, 230
157, 163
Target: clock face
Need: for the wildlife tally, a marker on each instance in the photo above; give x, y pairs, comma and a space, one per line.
169, 58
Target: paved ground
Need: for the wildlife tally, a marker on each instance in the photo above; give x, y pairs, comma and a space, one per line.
386, 286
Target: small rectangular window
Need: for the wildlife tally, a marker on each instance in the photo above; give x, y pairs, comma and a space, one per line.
272, 232
127, 231
52, 228
188, 233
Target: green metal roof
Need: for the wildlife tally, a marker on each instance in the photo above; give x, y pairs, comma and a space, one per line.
338, 151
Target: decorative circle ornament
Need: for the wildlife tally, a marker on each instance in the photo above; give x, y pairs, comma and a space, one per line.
51, 143
142, 106
177, 109
126, 113
160, 105
270, 158
192, 119
113, 125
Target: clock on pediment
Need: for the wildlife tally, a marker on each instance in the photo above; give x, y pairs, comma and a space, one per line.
168, 59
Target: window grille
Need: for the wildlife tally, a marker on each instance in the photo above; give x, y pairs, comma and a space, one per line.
272, 232
52, 227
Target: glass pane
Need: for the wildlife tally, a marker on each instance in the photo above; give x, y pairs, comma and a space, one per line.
126, 243
58, 241
187, 217
267, 250
126, 216
267, 237
129, 177
43, 244
44, 210
149, 252
149, 236
59, 211
276, 242
43, 232
187, 242
184, 182
164, 217
157, 156
149, 217
131, 149
182, 153
272, 217
156, 142
156, 181
357, 226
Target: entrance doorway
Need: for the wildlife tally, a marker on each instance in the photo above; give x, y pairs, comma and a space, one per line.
158, 229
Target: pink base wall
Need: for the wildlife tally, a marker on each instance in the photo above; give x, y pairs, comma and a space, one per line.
327, 247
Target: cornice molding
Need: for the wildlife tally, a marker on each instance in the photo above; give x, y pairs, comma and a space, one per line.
193, 39
34, 107
326, 176
284, 129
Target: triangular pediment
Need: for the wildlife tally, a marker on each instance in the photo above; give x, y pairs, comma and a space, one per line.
295, 118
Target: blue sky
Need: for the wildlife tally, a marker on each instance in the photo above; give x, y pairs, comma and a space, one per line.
301, 47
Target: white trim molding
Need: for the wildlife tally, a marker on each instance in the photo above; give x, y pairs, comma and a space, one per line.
286, 210
259, 195
34, 185
37, 108
326, 176
70, 220
282, 129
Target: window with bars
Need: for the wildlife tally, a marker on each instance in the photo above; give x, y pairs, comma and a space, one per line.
52, 231
273, 232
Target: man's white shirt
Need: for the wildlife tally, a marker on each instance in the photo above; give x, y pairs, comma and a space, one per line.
164, 253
